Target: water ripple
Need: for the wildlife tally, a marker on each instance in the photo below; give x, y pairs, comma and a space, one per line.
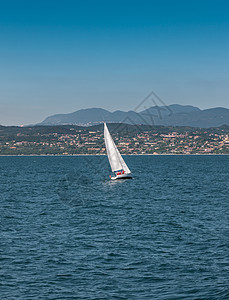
68, 232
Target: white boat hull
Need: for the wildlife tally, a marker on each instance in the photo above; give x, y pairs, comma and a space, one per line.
122, 176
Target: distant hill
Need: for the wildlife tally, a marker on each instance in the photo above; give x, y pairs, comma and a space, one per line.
172, 115
41, 131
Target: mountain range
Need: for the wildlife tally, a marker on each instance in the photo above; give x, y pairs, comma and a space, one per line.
172, 115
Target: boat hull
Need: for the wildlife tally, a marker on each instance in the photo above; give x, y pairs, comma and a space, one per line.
122, 176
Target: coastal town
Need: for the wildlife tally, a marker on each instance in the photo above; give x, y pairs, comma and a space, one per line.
67, 140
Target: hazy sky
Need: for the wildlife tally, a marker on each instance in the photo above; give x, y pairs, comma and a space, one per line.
60, 56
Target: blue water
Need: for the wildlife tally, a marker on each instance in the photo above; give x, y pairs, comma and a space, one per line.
67, 232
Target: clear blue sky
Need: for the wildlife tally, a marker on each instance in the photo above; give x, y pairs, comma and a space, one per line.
60, 56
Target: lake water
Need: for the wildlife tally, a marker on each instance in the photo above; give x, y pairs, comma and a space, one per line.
68, 232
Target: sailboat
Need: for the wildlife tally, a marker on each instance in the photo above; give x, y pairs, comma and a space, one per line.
117, 163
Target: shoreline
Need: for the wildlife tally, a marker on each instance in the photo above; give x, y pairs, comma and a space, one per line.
71, 155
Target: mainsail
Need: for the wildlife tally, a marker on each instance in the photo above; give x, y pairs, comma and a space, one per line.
116, 161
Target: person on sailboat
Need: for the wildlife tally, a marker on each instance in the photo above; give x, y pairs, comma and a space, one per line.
120, 172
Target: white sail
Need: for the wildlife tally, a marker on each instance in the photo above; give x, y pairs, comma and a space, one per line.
116, 161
